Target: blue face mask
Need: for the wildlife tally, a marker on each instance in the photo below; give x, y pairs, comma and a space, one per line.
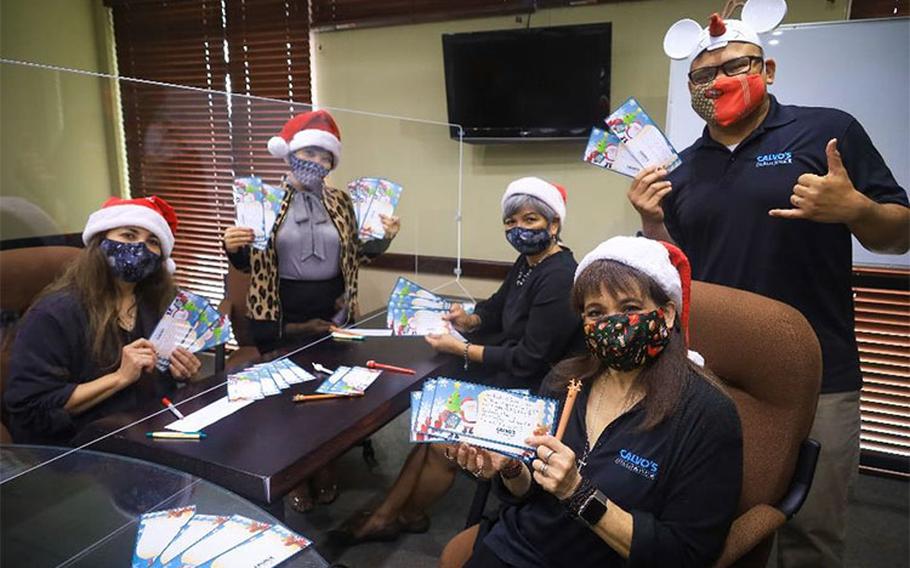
529, 241
130, 262
310, 174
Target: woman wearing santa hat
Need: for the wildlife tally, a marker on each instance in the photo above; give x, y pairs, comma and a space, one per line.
305, 281
649, 470
82, 347
515, 337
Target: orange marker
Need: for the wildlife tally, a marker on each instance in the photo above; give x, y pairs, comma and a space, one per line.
401, 370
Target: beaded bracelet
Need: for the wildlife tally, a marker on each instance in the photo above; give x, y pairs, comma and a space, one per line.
512, 469
466, 360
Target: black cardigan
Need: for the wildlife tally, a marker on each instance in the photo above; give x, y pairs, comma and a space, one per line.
527, 329
51, 355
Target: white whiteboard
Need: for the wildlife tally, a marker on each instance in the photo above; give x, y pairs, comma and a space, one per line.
861, 67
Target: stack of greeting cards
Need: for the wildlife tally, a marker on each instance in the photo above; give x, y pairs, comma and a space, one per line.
452, 411
631, 142
180, 538
265, 379
190, 322
414, 310
349, 381
256, 206
373, 197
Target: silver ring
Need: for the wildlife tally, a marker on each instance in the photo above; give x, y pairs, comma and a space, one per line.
477, 473
550, 455
448, 457
543, 470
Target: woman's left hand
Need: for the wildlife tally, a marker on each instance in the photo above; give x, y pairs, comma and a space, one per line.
184, 365
445, 343
554, 468
391, 224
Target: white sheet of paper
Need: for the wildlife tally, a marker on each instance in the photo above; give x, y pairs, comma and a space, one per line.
368, 332
208, 415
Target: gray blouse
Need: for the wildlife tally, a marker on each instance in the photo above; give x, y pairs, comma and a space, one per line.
309, 247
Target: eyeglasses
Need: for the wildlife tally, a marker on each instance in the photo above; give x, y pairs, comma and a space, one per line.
730, 68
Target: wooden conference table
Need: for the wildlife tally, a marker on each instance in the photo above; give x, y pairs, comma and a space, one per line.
265, 449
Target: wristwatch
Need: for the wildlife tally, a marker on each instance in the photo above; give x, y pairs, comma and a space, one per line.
593, 508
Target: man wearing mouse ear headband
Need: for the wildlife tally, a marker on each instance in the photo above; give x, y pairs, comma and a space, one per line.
767, 200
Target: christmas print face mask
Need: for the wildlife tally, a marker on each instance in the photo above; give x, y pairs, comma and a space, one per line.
629, 340
529, 241
130, 262
310, 174
727, 100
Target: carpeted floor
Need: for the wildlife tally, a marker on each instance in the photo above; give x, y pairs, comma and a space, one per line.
878, 534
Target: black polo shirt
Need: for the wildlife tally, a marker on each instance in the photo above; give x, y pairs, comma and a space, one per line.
718, 214
680, 481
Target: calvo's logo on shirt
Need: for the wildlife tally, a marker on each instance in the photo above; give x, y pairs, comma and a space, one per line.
773, 159
635, 463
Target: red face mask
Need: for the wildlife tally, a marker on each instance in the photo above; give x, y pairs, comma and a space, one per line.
727, 100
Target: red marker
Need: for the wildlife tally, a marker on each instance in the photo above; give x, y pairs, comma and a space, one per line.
402, 370
170, 406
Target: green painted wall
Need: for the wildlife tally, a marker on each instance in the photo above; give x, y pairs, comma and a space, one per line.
58, 158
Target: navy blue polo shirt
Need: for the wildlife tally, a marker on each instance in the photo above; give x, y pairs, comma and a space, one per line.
680, 481
718, 214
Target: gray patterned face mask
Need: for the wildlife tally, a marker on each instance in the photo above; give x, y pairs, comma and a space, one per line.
310, 174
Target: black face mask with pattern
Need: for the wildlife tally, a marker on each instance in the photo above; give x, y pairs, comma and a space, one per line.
529, 241
130, 262
629, 340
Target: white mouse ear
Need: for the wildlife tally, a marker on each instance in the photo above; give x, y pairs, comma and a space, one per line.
764, 15
681, 38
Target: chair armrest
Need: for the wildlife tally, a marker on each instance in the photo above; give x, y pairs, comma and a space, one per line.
747, 531
802, 478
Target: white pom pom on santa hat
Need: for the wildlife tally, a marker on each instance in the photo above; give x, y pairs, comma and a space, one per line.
153, 214
313, 128
554, 195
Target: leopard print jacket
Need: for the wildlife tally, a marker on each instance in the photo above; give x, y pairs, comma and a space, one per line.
263, 302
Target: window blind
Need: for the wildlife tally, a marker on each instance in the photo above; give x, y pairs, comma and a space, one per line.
187, 146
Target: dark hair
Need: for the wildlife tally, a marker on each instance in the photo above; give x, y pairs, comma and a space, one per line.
661, 380
91, 280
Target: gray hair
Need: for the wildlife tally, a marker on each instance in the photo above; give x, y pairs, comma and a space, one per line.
519, 201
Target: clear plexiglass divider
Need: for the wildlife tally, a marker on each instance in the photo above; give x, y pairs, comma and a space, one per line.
73, 486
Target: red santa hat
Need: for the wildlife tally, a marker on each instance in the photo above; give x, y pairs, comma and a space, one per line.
151, 213
314, 128
663, 262
686, 39
552, 194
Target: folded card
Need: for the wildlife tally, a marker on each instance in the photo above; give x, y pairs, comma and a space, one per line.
606, 150
646, 142
349, 381
484, 416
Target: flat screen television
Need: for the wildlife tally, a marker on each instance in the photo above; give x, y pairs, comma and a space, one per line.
528, 84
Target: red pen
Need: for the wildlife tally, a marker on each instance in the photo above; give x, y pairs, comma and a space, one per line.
170, 406
402, 370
